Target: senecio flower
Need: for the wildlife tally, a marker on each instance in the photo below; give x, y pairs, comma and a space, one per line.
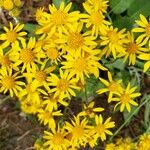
143, 28
114, 41
144, 142
9, 82
133, 48
145, 56
60, 20
113, 87
95, 20
63, 86
47, 117
79, 131
7, 59
77, 41
90, 111
101, 127
29, 55
12, 35
56, 139
98, 5
81, 65
125, 98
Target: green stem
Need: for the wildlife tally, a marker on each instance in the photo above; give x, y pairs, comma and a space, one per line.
147, 98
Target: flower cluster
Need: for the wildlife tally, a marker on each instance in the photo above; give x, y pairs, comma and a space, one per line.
47, 70
128, 144
12, 6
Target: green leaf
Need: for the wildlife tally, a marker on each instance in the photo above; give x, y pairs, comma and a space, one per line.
139, 7
58, 2
119, 64
92, 85
123, 22
148, 130
119, 6
31, 28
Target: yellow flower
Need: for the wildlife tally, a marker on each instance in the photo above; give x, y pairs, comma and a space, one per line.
79, 131
145, 56
143, 143
132, 49
40, 15
110, 147
94, 20
32, 92
9, 82
52, 103
17, 3
113, 41
29, 55
60, 20
125, 144
12, 35
40, 75
113, 87
79, 41
56, 140
143, 28
8, 4
29, 106
81, 65
98, 5
101, 127
90, 111
47, 117
53, 54
63, 86
15, 12
126, 97
7, 59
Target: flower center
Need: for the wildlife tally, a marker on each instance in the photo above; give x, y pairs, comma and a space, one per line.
62, 85
132, 48
78, 131
100, 128
40, 75
96, 18
148, 29
31, 88
113, 37
11, 36
113, 87
52, 53
75, 40
8, 82
27, 56
59, 17
80, 65
125, 98
47, 115
89, 111
58, 139
5, 61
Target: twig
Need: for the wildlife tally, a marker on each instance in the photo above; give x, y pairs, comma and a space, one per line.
25, 134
